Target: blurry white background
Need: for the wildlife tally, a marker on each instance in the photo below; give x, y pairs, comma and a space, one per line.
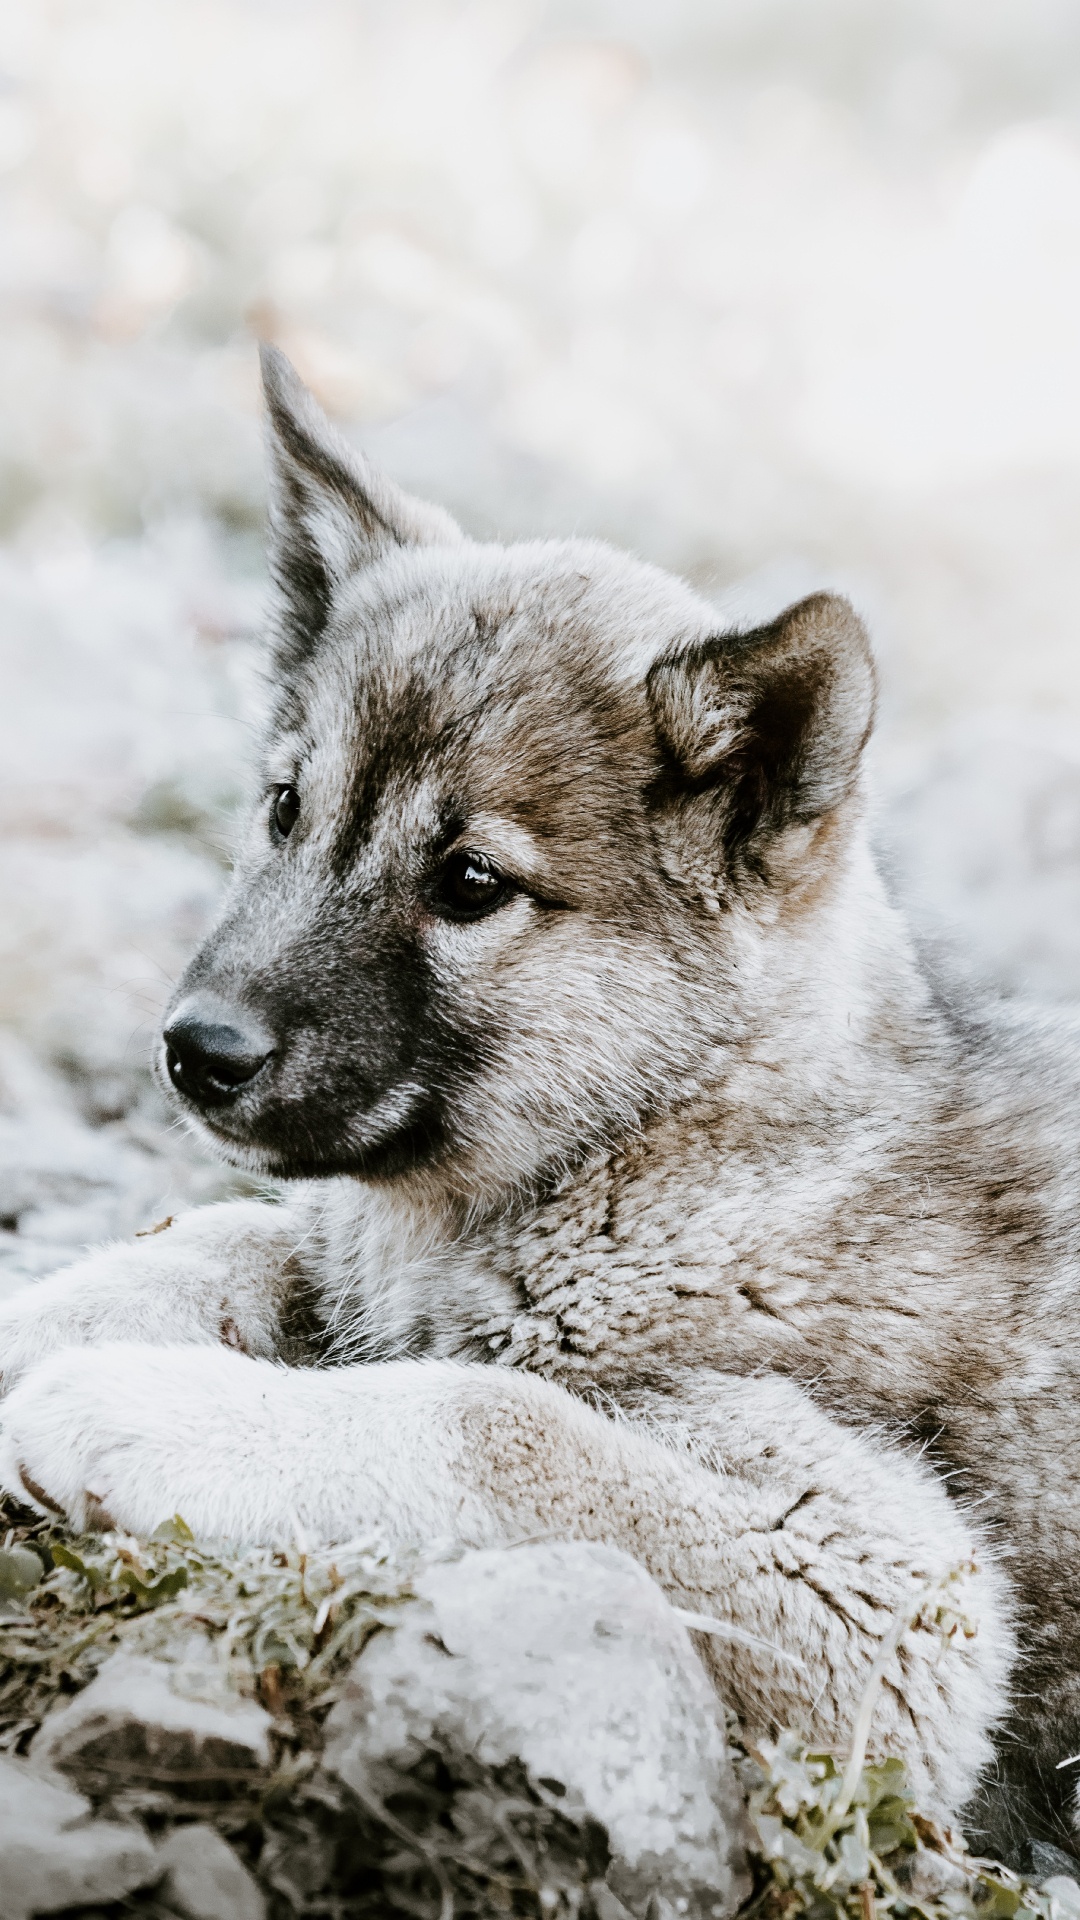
780, 293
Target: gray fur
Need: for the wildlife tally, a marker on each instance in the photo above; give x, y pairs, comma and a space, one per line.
682, 1127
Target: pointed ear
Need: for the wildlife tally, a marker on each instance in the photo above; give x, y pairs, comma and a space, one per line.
763, 730
331, 513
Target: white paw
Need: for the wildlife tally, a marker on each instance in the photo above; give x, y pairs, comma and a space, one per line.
107, 1296
128, 1435
242, 1449
213, 1277
30, 1328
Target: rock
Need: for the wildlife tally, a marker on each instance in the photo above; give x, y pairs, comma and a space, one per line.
1045, 1860
53, 1855
205, 1880
154, 1720
21, 1570
568, 1658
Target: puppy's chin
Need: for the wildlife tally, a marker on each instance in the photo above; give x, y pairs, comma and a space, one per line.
288, 1147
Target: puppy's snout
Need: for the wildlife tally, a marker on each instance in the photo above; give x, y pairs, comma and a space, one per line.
213, 1049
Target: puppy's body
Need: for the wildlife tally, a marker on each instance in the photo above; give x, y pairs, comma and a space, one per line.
648, 1190
891, 1223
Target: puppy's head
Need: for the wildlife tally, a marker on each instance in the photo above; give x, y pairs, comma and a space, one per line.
518, 807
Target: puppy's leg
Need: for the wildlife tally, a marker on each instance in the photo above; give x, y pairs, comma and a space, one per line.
228, 1273
813, 1553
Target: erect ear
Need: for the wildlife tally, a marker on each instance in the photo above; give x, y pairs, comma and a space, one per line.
763, 730
331, 513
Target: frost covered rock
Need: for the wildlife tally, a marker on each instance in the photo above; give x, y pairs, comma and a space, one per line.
568, 1658
204, 1879
53, 1855
147, 1720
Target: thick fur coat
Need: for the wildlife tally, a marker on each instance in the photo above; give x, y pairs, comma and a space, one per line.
642, 1184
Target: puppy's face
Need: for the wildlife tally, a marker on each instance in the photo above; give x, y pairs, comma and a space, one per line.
449, 919
470, 920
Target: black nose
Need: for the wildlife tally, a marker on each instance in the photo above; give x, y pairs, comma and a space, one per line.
213, 1049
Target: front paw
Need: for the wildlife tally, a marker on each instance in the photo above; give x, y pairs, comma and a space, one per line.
246, 1450
28, 1332
128, 1435
214, 1278
91, 1301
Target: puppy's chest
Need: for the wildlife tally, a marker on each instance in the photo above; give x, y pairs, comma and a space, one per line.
647, 1270
625, 1283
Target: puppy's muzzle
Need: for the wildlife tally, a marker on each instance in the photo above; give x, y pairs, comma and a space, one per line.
213, 1050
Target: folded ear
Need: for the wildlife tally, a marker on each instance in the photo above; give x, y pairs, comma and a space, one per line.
762, 730
331, 513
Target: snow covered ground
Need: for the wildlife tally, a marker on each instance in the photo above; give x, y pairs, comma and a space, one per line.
781, 293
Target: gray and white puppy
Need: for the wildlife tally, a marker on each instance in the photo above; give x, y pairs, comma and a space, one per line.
644, 1179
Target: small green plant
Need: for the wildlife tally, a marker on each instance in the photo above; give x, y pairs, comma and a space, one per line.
877, 1856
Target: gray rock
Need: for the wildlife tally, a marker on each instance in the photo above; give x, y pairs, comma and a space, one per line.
204, 1879
152, 1720
1045, 1861
53, 1855
569, 1658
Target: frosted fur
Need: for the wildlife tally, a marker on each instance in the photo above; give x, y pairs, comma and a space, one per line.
671, 1205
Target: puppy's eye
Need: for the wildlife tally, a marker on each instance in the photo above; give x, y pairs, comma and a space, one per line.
467, 887
285, 810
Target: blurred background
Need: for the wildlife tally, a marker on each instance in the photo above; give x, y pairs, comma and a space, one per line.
780, 293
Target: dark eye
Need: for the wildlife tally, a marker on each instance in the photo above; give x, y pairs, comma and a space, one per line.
285, 810
467, 887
